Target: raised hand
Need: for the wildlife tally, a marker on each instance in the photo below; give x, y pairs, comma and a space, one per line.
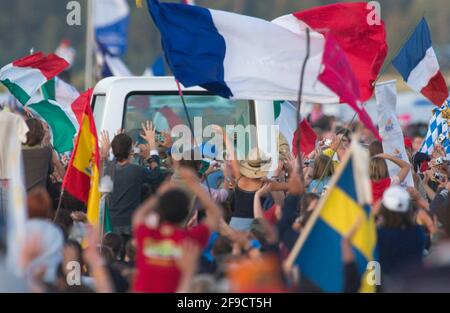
105, 144
149, 134
265, 189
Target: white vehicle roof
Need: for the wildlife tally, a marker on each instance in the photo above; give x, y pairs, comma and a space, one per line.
141, 83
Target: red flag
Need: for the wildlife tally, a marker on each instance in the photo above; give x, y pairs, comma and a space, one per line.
78, 174
308, 138
339, 77
363, 44
78, 106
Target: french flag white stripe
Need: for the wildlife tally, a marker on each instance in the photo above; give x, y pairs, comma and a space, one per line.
267, 60
424, 71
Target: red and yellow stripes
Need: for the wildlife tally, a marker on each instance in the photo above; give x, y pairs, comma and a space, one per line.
82, 176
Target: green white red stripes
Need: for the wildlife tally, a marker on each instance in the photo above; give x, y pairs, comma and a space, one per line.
58, 117
25, 76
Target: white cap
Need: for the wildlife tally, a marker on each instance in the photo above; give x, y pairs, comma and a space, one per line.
396, 199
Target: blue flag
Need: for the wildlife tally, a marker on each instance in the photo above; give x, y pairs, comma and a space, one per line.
111, 19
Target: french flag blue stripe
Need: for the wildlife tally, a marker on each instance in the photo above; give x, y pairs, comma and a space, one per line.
414, 50
191, 29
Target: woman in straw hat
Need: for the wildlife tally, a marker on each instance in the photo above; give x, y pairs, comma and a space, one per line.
249, 177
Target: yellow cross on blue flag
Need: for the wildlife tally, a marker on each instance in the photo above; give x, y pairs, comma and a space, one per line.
346, 204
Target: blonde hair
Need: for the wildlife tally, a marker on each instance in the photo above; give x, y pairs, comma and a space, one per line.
320, 165
378, 169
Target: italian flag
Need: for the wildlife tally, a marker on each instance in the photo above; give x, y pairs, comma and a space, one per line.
54, 106
25, 76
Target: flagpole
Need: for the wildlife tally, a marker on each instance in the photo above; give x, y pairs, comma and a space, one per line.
383, 70
89, 61
61, 195
316, 213
299, 104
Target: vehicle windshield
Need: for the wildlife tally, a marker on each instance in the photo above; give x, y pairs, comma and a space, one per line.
167, 111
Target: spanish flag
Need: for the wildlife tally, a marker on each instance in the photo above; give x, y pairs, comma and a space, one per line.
318, 251
82, 175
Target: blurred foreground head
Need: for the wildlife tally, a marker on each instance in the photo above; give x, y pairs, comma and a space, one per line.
39, 203
36, 132
256, 275
173, 206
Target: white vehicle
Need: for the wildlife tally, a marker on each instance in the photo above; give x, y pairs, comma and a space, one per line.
126, 102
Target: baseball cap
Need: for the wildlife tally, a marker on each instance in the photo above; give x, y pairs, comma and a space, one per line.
396, 199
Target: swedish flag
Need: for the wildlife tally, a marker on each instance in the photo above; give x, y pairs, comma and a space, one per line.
345, 204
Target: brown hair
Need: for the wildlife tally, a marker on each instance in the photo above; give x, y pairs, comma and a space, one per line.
39, 203
35, 133
391, 219
121, 146
376, 147
304, 205
378, 169
320, 165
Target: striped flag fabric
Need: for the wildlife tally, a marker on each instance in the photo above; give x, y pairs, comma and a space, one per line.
54, 107
318, 250
111, 19
60, 91
338, 75
243, 57
286, 119
364, 45
82, 175
60, 119
237, 56
25, 76
110, 64
419, 67
438, 130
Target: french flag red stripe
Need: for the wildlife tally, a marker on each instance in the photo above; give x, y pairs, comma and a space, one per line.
436, 90
364, 45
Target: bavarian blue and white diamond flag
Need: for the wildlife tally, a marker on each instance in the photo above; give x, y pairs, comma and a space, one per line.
438, 130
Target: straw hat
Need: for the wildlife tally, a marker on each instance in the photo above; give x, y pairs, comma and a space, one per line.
283, 147
256, 166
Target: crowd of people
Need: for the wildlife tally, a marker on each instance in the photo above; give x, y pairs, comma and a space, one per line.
223, 226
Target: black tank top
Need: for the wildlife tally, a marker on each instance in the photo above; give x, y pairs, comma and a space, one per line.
243, 202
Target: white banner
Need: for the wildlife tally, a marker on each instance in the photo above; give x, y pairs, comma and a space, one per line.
389, 127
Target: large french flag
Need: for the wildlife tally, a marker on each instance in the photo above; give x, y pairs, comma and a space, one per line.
25, 76
364, 45
419, 67
238, 56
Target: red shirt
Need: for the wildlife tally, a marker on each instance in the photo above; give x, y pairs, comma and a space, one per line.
270, 215
157, 250
379, 187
